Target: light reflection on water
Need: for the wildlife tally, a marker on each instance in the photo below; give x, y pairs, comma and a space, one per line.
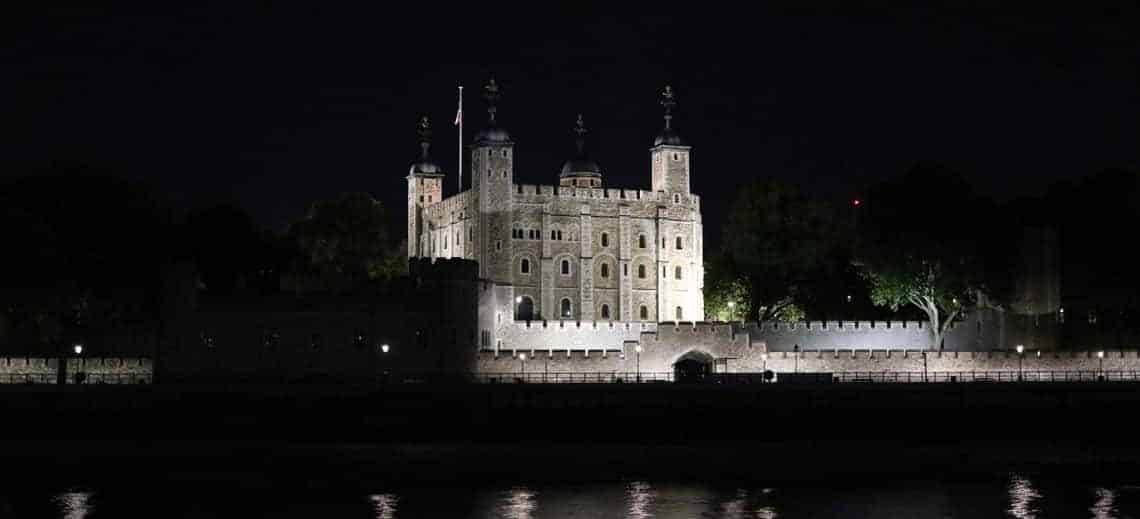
74, 505
1019, 496
1105, 505
384, 505
1022, 498
518, 503
639, 496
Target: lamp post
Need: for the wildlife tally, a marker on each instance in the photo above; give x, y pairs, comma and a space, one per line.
637, 350
764, 371
78, 349
731, 310
383, 353
522, 362
925, 376
1020, 357
1100, 358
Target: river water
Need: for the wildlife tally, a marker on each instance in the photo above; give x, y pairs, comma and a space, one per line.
1001, 495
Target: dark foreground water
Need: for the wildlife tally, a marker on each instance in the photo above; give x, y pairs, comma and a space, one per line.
1001, 495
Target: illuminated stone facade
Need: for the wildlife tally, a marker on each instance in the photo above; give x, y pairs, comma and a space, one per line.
566, 252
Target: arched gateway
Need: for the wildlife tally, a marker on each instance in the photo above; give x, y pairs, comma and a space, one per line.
693, 367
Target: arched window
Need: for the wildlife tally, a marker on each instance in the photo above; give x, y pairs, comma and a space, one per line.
641, 271
679, 243
677, 272
565, 268
524, 266
641, 241
553, 234
644, 312
605, 240
566, 309
605, 311
680, 314
605, 270
524, 310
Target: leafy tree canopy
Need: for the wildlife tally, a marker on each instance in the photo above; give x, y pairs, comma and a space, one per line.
347, 237
775, 241
924, 239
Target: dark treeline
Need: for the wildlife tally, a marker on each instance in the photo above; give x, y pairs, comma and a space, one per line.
925, 245
90, 254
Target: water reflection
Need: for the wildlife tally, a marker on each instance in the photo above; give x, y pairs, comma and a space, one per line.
74, 505
384, 505
1022, 498
639, 500
1105, 505
745, 504
519, 503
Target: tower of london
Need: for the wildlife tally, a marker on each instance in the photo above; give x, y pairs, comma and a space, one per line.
572, 249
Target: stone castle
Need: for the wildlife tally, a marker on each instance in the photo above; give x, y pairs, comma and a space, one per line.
571, 251
577, 278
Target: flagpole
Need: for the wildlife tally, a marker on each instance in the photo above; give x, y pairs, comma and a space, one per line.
460, 189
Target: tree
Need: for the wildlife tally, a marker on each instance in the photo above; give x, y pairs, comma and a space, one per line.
348, 238
776, 239
229, 252
84, 253
722, 287
923, 239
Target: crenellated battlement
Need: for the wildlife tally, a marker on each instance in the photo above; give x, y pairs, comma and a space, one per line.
528, 193
458, 203
831, 326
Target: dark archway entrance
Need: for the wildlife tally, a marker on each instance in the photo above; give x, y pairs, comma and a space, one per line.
524, 309
693, 367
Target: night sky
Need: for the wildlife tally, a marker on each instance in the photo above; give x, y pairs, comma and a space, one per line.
271, 108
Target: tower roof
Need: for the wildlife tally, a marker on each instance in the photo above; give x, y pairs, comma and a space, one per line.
492, 133
668, 135
425, 166
580, 165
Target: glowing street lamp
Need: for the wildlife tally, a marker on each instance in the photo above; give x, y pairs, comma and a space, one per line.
732, 310
637, 350
522, 359
384, 348
78, 349
1100, 357
1020, 357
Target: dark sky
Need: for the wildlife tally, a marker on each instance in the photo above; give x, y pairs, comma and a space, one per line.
273, 107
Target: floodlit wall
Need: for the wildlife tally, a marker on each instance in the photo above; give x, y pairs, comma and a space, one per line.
105, 370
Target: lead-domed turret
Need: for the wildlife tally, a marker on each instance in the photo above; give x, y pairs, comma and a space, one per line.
425, 165
492, 133
668, 135
580, 171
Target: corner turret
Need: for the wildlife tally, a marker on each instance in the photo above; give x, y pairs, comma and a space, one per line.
669, 155
425, 187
